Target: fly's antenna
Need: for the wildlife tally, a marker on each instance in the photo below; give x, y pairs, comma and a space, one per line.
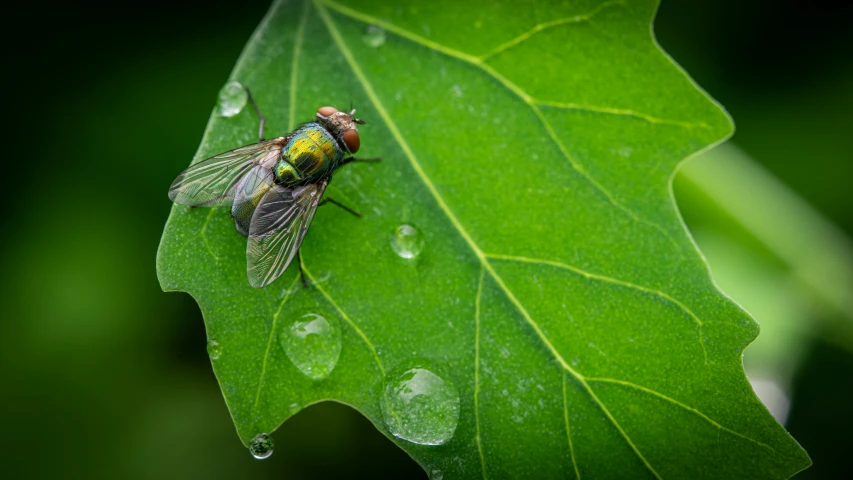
352, 115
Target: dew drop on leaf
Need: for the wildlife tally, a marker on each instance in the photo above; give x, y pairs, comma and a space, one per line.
407, 241
214, 350
261, 446
313, 343
420, 406
232, 99
374, 36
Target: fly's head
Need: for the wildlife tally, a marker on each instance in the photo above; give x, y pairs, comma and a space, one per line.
342, 126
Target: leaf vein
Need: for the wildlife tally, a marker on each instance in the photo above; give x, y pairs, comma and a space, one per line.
296, 46
269, 346
203, 234
524, 96
477, 370
568, 430
346, 317
619, 112
544, 26
681, 405
395, 132
614, 281
294, 64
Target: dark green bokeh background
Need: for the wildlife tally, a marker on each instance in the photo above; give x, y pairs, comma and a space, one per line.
105, 376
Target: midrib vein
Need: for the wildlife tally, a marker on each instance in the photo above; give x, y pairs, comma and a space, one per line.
294, 65
395, 132
297, 44
532, 103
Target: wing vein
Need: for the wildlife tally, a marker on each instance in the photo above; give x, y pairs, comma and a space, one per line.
299, 33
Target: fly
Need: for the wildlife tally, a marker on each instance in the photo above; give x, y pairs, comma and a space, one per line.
274, 187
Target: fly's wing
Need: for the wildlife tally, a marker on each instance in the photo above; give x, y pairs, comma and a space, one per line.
248, 193
211, 182
278, 227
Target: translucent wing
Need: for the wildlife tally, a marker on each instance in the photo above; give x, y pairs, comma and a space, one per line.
248, 193
211, 182
278, 226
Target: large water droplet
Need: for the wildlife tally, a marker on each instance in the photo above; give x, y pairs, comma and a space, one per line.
313, 344
232, 99
374, 36
261, 446
420, 406
214, 350
407, 241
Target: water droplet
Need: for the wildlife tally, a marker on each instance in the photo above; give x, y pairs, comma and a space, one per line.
420, 406
374, 36
407, 241
313, 344
232, 99
436, 475
261, 446
214, 349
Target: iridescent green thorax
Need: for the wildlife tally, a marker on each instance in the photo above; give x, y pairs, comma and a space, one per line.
310, 153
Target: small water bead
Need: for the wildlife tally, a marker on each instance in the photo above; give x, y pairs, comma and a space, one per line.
214, 350
313, 343
407, 241
232, 99
374, 36
262, 446
420, 406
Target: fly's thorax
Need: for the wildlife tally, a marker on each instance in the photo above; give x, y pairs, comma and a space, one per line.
286, 173
310, 154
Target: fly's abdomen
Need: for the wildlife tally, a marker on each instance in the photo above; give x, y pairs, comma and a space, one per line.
308, 155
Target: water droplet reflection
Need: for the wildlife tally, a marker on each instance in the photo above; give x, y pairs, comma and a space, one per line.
261, 446
232, 99
214, 350
407, 241
313, 343
374, 36
420, 406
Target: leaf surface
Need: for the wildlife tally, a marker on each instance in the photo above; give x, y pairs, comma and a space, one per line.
557, 292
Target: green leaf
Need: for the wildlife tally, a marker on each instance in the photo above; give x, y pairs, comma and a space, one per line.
557, 293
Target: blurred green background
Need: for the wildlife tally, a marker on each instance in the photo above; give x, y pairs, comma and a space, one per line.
105, 376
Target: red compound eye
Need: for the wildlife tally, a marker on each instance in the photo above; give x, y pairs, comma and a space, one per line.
327, 111
352, 141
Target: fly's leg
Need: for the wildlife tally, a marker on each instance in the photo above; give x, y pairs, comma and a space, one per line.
332, 200
258, 112
301, 270
361, 160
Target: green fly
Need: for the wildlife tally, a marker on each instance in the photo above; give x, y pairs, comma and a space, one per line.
273, 187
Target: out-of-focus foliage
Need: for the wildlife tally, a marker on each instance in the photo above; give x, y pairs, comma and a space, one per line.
109, 377
557, 292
